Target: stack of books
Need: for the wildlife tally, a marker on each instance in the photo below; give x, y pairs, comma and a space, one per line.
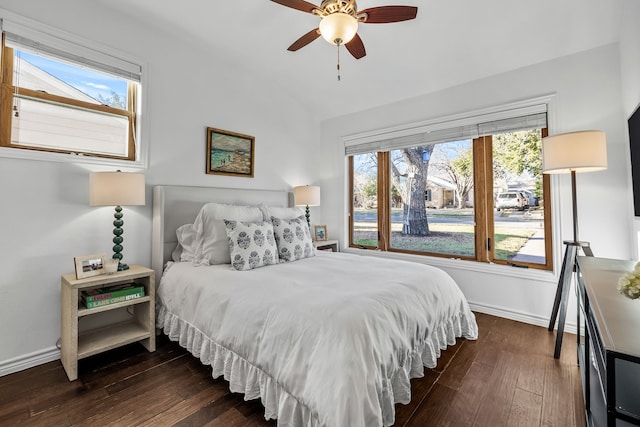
99, 297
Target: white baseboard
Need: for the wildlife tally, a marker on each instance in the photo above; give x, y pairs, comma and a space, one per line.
30, 360
569, 326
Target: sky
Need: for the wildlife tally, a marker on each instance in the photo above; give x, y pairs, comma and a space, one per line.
87, 81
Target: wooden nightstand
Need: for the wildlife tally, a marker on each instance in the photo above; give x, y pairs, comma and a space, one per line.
141, 327
324, 245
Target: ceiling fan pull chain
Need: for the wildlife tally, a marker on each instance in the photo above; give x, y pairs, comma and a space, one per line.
338, 45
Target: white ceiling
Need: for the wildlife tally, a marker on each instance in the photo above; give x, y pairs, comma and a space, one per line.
449, 43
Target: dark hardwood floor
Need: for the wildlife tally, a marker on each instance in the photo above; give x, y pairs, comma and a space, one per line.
508, 377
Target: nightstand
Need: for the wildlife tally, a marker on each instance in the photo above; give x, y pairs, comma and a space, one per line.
325, 245
141, 327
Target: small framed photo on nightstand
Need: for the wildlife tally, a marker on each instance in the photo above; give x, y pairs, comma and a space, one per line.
320, 232
89, 265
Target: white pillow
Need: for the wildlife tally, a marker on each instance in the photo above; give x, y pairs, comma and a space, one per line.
293, 238
280, 212
251, 244
186, 248
210, 232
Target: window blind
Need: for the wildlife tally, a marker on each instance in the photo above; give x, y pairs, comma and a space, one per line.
534, 121
22, 37
533, 117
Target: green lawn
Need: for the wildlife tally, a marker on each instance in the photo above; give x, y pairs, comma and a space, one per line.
451, 239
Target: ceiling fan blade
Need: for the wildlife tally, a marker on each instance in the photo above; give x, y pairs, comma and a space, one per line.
356, 47
385, 14
297, 4
304, 40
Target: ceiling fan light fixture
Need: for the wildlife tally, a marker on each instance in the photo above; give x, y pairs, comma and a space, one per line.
338, 28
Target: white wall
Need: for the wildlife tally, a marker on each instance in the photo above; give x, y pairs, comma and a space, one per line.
45, 216
587, 96
630, 60
630, 55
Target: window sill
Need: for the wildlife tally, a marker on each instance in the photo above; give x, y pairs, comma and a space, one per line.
452, 263
14, 153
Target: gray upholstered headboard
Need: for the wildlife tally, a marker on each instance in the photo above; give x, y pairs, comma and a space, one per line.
175, 205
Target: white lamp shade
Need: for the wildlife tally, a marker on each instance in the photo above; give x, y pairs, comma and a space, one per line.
116, 188
338, 28
584, 151
307, 195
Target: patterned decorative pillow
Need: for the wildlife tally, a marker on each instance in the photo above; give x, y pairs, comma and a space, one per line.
293, 238
251, 244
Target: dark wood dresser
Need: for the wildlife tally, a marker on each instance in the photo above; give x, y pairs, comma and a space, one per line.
608, 344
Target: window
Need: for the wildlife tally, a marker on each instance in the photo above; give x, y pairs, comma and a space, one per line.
465, 190
61, 97
428, 196
364, 228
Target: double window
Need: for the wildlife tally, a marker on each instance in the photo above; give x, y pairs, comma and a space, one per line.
59, 96
440, 190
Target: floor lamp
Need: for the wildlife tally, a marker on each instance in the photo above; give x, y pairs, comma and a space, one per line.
115, 189
584, 151
307, 195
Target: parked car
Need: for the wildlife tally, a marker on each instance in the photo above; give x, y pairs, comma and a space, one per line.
511, 200
531, 198
526, 198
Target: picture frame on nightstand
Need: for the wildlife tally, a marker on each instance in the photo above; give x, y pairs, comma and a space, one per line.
320, 232
89, 265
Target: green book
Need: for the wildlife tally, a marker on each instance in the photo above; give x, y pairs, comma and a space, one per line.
113, 300
102, 294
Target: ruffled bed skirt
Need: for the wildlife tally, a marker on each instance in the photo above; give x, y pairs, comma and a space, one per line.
244, 377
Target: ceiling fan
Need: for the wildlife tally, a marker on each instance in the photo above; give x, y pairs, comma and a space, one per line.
340, 19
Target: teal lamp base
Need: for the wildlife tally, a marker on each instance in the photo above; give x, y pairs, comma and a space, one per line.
118, 231
307, 215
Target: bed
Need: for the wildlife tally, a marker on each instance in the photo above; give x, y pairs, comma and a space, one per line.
331, 339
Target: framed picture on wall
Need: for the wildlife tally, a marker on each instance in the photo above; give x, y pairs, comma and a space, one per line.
229, 153
320, 232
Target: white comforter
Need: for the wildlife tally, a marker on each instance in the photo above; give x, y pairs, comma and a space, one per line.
331, 340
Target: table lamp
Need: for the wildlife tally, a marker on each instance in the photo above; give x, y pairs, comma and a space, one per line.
117, 189
307, 195
584, 151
